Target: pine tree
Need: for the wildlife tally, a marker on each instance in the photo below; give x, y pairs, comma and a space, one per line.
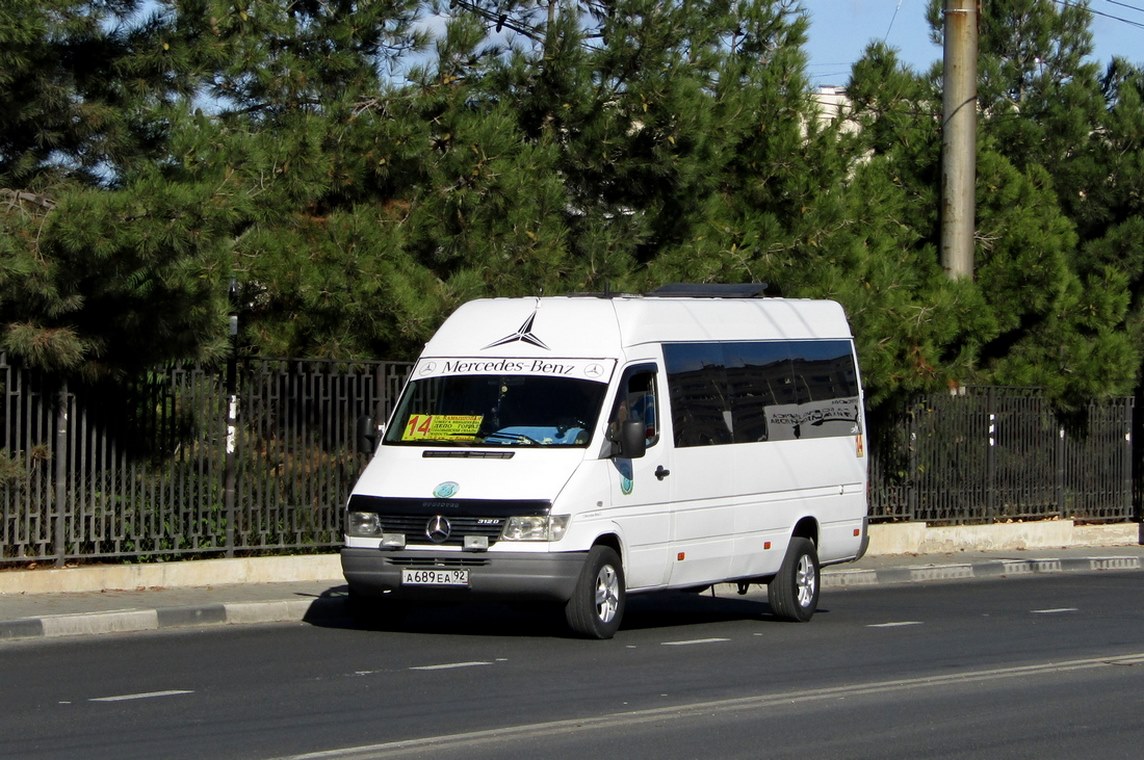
358, 180
916, 330
382, 202
78, 83
679, 128
1047, 109
95, 272
1041, 315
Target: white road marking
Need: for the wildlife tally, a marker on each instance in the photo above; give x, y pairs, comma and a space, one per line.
142, 695
450, 665
629, 718
1054, 611
690, 642
898, 624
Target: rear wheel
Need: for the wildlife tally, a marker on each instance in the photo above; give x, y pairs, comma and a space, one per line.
793, 593
597, 604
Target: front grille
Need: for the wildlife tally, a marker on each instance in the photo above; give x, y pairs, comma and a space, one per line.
467, 517
413, 527
445, 562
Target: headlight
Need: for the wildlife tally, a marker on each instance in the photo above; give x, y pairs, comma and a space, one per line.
535, 528
363, 524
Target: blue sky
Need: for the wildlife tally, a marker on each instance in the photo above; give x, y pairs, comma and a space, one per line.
841, 29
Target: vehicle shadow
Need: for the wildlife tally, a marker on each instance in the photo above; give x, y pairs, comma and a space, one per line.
661, 610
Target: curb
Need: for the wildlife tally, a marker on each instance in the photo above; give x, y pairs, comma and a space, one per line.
131, 621
179, 574
333, 608
986, 569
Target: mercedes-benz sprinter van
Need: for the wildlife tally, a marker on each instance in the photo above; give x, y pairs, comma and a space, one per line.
579, 449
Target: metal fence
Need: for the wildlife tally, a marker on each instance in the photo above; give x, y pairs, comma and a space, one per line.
141, 470
994, 454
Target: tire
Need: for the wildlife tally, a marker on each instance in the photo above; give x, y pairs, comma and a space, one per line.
597, 603
793, 593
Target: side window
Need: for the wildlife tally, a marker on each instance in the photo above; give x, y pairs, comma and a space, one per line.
761, 386
636, 400
697, 384
827, 368
751, 391
827, 387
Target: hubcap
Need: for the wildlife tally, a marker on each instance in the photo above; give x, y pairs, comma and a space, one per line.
607, 593
805, 581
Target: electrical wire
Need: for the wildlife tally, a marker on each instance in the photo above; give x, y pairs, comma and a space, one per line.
1126, 5
1102, 14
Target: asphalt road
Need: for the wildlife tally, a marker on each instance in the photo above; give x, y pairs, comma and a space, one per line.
1046, 666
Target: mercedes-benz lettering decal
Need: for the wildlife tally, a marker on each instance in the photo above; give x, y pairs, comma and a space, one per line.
438, 529
524, 335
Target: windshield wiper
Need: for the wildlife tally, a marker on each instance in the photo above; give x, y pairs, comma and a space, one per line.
511, 438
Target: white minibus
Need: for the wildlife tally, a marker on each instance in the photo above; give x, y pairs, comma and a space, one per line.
579, 449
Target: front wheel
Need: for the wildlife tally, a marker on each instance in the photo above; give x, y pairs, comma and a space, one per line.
597, 603
793, 593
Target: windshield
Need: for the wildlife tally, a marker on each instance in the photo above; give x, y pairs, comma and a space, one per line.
497, 410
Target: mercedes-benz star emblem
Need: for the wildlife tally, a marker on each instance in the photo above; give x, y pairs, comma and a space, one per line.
438, 529
523, 334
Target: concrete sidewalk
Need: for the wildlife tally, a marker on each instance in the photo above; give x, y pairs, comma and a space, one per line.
118, 599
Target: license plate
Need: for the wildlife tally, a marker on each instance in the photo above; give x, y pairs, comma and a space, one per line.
434, 576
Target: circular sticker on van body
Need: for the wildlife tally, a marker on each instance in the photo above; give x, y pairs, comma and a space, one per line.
627, 482
446, 490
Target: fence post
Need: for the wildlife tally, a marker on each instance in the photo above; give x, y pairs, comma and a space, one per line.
1126, 461
59, 526
229, 475
912, 476
990, 457
1062, 446
380, 394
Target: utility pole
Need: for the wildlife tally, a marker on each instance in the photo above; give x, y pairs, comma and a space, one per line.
959, 137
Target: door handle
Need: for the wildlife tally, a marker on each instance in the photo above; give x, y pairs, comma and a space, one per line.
661, 472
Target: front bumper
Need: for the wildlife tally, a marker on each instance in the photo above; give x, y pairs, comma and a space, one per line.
525, 575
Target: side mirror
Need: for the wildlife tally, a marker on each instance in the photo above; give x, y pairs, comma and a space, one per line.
633, 440
366, 435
